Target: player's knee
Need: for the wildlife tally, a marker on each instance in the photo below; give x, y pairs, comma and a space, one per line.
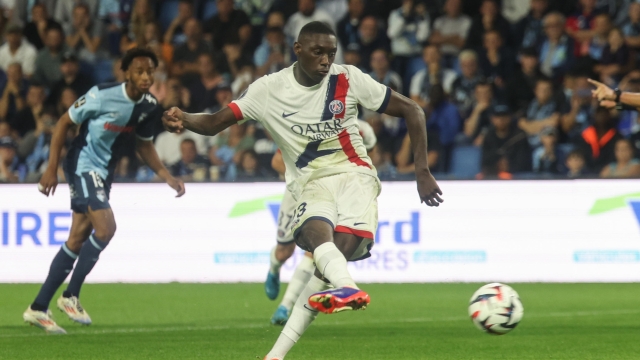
311, 237
74, 244
105, 233
284, 252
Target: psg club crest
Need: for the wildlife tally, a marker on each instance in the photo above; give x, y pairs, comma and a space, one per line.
336, 107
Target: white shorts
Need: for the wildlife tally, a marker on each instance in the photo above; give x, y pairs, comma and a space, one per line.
346, 201
285, 215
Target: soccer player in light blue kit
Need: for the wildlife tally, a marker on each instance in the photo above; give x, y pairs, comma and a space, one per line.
107, 115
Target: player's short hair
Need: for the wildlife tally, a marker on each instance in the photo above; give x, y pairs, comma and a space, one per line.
316, 27
137, 52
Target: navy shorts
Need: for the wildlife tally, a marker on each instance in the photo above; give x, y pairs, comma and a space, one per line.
88, 190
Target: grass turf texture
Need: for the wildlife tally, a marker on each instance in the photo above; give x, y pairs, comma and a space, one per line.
404, 321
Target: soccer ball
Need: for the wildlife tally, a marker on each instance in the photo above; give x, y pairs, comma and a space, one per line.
495, 308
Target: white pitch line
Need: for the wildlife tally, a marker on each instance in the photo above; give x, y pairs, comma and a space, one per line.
263, 325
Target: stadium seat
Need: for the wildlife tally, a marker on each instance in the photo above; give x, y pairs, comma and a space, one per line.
465, 162
168, 11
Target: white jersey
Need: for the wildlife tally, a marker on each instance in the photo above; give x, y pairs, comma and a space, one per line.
316, 128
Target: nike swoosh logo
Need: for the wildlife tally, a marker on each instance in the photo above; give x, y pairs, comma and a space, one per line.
359, 223
287, 115
310, 309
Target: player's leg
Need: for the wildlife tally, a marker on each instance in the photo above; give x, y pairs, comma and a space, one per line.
62, 264
101, 216
284, 248
303, 314
296, 285
279, 255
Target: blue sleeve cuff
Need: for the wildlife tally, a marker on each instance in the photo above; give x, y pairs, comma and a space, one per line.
385, 102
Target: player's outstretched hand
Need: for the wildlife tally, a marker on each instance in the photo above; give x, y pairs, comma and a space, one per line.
602, 91
177, 185
429, 190
172, 120
48, 182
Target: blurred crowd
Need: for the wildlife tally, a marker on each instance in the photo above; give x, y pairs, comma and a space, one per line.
503, 83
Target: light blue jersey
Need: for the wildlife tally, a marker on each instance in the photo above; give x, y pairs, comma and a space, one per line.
107, 117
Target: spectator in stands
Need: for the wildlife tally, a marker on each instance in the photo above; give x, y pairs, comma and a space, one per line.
496, 60
557, 48
49, 58
464, 85
450, 32
26, 119
228, 147
13, 93
575, 164
118, 74
229, 27
529, 30
116, 15
488, 19
546, 158
141, 15
175, 33
626, 165
543, 112
191, 167
601, 28
248, 169
477, 123
185, 55
381, 71
598, 141
160, 76
382, 161
71, 77
203, 89
8, 160
408, 27
371, 39
67, 98
17, 50
65, 9
348, 27
616, 59
22, 10
574, 122
352, 56
223, 96
631, 28
177, 95
519, 92
444, 118
84, 35
36, 30
307, 13
34, 147
580, 26
505, 147
274, 54
434, 73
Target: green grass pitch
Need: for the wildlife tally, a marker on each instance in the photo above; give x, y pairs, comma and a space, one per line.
404, 321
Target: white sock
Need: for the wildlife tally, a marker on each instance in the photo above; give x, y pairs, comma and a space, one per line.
300, 319
299, 280
274, 264
333, 265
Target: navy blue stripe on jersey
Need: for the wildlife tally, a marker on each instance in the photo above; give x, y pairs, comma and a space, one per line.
331, 93
75, 149
385, 103
108, 85
311, 152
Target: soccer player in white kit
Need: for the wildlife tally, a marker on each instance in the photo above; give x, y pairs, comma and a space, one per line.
286, 242
310, 108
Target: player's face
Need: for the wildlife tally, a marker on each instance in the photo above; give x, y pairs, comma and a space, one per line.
315, 54
140, 73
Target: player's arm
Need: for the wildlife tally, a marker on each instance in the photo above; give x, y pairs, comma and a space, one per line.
606, 95
176, 120
401, 106
148, 153
49, 180
277, 163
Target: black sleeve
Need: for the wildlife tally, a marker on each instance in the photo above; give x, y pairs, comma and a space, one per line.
147, 128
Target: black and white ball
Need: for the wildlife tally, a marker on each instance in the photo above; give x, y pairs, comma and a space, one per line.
496, 308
